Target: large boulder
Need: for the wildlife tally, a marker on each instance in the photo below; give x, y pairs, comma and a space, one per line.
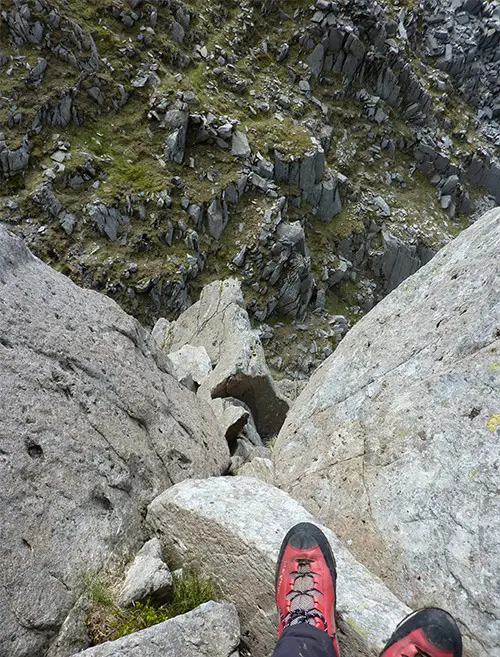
219, 322
394, 441
93, 427
212, 629
232, 528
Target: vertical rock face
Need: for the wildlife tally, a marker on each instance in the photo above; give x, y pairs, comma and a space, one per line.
93, 427
394, 441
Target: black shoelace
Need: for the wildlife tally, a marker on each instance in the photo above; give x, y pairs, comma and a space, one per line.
302, 609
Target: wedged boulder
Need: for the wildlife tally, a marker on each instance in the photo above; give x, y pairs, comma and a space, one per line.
148, 577
258, 468
232, 528
212, 629
394, 441
190, 365
230, 417
219, 322
93, 428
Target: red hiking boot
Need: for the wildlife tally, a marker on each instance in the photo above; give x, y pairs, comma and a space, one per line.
306, 581
428, 632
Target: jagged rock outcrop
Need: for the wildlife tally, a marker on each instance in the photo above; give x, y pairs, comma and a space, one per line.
107, 220
403, 424
397, 261
280, 261
14, 161
211, 629
227, 525
219, 322
96, 427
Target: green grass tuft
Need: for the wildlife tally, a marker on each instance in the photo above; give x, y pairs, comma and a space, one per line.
106, 621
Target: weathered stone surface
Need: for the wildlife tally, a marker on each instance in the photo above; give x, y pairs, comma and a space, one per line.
399, 261
211, 629
403, 422
316, 58
178, 32
96, 428
148, 577
292, 235
329, 204
227, 525
219, 322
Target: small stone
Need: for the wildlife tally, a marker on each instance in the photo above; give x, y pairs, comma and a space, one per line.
445, 202
283, 52
58, 156
305, 87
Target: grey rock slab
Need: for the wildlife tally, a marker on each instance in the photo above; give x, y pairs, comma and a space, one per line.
178, 32
382, 206
292, 234
218, 218
147, 578
403, 420
219, 322
67, 221
227, 525
107, 220
240, 146
175, 143
96, 428
315, 60
330, 204
210, 630
449, 185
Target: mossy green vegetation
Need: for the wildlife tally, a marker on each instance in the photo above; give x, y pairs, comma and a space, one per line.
125, 148
107, 622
